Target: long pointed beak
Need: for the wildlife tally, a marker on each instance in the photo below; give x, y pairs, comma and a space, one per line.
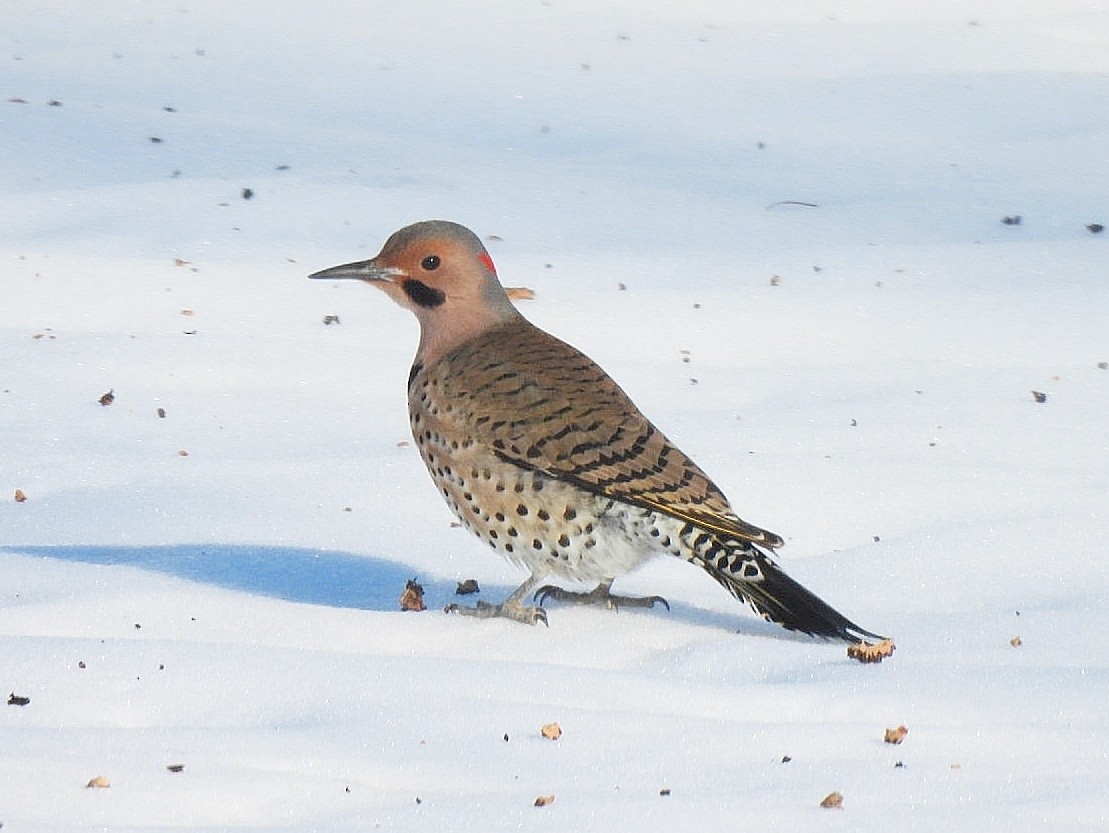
363, 270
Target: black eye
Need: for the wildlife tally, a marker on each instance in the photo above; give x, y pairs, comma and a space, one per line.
430, 262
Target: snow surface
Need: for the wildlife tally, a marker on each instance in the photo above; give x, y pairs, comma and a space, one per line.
218, 588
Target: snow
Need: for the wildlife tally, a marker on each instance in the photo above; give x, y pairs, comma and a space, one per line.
218, 588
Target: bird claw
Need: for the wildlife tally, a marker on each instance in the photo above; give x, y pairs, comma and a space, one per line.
545, 592
598, 596
514, 611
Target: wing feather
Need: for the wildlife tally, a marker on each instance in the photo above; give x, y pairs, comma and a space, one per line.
541, 404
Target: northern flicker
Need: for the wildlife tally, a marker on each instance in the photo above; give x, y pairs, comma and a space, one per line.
542, 455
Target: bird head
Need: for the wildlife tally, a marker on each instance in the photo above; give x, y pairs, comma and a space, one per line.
442, 273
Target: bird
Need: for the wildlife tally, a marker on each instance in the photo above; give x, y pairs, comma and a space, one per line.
543, 456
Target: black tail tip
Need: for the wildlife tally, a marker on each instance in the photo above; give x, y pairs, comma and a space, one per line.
849, 632
780, 599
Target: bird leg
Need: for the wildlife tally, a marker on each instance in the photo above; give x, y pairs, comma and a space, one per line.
600, 595
511, 608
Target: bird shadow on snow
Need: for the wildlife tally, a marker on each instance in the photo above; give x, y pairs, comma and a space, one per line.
332, 578
295, 574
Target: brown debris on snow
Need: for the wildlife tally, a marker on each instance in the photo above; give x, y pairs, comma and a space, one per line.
865, 652
897, 735
467, 587
412, 599
832, 801
551, 731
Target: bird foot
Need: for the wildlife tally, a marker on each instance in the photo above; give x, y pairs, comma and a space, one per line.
598, 596
506, 610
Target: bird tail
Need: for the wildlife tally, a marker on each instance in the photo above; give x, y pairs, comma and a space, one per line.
751, 576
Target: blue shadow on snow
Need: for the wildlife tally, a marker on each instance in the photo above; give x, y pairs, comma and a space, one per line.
331, 578
321, 577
